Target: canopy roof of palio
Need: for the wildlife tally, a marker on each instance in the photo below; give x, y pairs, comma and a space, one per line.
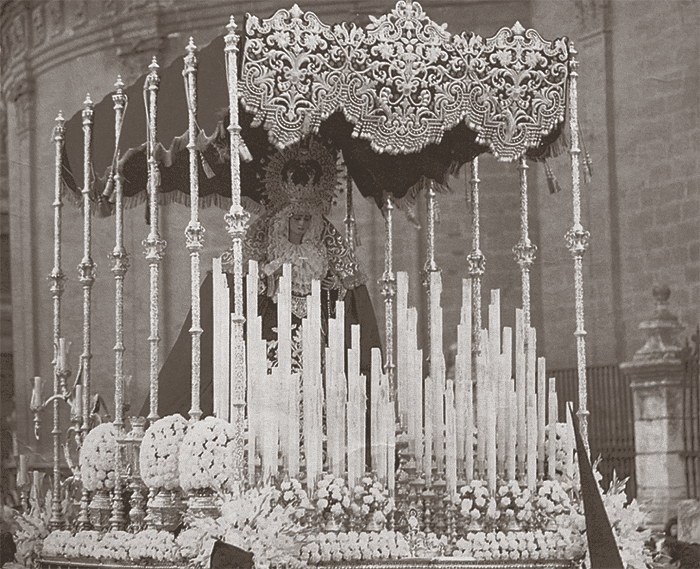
402, 98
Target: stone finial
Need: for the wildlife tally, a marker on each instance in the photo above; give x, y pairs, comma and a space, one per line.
662, 331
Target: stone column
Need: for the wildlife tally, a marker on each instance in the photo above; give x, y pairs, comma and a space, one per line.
656, 378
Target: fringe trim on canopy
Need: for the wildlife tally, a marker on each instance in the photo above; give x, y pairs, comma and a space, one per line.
408, 203
106, 208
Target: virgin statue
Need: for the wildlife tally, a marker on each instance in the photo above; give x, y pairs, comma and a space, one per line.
292, 228
300, 187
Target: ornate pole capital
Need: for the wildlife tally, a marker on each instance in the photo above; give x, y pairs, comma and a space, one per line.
231, 38
119, 98
525, 252
59, 130
86, 270
573, 61
88, 110
194, 236
236, 222
153, 79
155, 248
120, 263
58, 279
577, 239
191, 58
476, 264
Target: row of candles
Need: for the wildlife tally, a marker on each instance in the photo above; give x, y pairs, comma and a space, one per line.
487, 422
276, 399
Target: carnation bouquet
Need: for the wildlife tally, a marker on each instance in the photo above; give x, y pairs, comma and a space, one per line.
551, 501
514, 504
332, 496
160, 447
289, 493
98, 457
207, 457
371, 503
476, 502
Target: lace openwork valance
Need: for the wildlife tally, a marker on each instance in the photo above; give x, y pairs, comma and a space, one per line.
403, 81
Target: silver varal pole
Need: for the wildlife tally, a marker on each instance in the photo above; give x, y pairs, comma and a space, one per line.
120, 265
194, 233
236, 223
57, 279
476, 262
86, 268
577, 242
525, 249
388, 282
155, 246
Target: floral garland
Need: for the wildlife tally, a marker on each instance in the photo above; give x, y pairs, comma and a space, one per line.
267, 522
114, 545
98, 458
515, 546
354, 546
160, 447
207, 456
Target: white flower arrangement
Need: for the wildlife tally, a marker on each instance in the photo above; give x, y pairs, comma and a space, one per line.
627, 521
551, 501
98, 457
370, 500
207, 456
252, 522
516, 546
354, 546
114, 545
332, 496
289, 493
514, 503
28, 532
476, 502
159, 454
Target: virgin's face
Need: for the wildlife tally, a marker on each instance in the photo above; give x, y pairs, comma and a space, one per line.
298, 225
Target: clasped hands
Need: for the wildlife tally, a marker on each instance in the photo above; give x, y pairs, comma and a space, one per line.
329, 282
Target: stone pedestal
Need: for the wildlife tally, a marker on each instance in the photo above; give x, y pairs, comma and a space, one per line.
658, 439
656, 374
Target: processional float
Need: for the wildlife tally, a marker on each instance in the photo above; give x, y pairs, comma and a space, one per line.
401, 104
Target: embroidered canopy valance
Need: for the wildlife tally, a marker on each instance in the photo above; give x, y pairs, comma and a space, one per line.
401, 97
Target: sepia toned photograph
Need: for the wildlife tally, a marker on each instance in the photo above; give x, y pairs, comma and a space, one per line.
387, 284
